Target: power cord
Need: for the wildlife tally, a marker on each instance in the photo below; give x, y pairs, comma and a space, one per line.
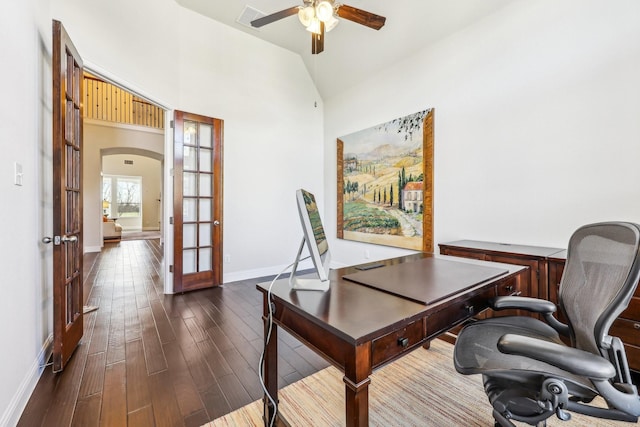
266, 342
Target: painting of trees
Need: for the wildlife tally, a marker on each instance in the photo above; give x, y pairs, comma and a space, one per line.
382, 172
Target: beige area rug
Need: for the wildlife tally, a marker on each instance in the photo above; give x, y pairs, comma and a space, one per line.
421, 389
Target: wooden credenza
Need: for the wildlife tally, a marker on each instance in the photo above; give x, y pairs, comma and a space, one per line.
546, 268
626, 326
534, 257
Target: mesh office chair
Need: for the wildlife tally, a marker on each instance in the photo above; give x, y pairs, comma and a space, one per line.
529, 374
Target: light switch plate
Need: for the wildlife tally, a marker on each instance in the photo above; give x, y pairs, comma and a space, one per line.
18, 173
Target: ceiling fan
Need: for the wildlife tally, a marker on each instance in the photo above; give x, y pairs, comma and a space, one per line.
321, 16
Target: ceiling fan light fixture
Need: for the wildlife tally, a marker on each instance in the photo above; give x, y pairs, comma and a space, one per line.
331, 24
306, 15
324, 11
321, 16
314, 27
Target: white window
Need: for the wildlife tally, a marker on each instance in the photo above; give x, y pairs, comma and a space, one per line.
126, 192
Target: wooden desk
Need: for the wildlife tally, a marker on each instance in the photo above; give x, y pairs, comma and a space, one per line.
359, 329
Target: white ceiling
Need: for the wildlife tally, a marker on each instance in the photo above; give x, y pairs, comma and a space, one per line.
352, 51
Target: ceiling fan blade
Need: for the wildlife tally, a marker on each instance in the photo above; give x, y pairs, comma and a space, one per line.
362, 17
317, 41
257, 23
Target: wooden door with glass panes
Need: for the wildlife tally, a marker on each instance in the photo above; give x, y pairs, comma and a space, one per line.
66, 70
197, 206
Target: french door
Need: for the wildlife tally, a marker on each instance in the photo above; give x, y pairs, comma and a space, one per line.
67, 197
197, 206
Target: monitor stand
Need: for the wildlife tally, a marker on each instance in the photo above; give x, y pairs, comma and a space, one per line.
306, 282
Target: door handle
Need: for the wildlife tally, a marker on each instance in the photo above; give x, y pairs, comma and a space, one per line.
57, 239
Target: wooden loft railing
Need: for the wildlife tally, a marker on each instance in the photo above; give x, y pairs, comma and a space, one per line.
104, 101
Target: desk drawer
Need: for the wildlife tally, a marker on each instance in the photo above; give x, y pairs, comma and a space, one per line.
463, 253
443, 320
508, 287
390, 345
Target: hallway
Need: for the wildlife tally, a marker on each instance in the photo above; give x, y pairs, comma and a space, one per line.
148, 359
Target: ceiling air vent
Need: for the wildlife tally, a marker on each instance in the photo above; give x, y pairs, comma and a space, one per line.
249, 14
128, 162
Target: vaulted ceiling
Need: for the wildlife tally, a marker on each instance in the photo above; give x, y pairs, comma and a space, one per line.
352, 51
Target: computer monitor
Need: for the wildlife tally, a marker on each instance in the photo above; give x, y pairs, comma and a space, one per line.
315, 241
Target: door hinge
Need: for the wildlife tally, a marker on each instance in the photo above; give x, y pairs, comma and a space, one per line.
171, 124
170, 220
171, 269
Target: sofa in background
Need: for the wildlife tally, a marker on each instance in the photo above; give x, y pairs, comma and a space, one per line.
111, 230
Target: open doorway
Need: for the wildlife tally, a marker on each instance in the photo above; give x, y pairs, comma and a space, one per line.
131, 194
124, 138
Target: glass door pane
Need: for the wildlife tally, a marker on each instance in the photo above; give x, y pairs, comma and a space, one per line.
189, 261
206, 160
190, 158
206, 135
205, 235
189, 184
205, 209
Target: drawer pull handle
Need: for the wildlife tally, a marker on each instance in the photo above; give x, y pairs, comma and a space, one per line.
509, 288
636, 326
469, 309
403, 342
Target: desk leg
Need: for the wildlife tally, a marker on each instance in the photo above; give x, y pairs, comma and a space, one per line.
356, 379
357, 402
270, 371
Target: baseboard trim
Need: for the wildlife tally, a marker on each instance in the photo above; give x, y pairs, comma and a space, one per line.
237, 276
19, 401
250, 274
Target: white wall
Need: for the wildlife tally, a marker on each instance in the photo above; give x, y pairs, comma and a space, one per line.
25, 281
537, 127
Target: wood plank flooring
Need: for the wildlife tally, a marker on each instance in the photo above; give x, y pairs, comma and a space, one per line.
149, 359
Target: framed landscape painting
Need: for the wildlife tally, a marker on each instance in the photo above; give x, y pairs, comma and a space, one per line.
385, 183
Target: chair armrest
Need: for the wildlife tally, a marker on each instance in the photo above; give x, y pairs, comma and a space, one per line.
523, 303
570, 359
535, 305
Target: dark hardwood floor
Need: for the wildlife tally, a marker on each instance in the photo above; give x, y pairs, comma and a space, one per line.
149, 359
